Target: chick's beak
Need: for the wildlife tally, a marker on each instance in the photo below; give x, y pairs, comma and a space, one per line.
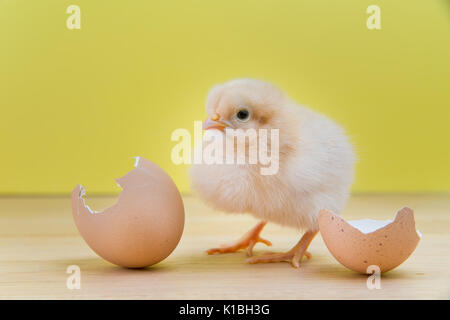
214, 122
211, 124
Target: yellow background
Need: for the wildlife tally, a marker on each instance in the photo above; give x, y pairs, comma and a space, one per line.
76, 105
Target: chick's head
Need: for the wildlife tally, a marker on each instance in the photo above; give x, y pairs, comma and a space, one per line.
253, 104
244, 104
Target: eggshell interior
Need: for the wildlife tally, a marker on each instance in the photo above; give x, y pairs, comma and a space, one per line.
359, 244
143, 227
369, 225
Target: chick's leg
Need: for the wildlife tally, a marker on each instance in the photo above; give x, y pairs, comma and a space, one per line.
247, 242
294, 255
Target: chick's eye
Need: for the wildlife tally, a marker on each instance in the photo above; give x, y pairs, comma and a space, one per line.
243, 115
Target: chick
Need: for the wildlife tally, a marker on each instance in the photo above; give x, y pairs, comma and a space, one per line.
316, 166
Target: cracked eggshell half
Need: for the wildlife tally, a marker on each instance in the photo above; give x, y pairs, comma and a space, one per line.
143, 227
359, 244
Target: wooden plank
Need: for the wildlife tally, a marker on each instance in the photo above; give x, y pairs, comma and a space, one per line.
38, 241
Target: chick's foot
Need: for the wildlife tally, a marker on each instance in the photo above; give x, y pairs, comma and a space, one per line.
247, 242
294, 256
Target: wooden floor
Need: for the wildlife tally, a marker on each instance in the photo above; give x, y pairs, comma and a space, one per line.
38, 241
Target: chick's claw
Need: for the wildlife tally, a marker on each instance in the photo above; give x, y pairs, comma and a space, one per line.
247, 242
240, 245
289, 256
294, 256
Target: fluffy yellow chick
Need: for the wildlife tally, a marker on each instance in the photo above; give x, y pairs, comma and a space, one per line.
316, 165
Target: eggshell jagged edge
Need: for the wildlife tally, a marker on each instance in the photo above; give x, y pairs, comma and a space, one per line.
386, 247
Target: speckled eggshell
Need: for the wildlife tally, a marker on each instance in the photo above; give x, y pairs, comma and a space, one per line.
386, 247
143, 227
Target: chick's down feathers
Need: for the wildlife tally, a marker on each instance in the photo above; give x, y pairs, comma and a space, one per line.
316, 159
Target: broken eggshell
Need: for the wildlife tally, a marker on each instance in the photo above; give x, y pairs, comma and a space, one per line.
143, 227
359, 244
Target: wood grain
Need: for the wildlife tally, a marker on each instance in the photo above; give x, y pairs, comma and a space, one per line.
38, 241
